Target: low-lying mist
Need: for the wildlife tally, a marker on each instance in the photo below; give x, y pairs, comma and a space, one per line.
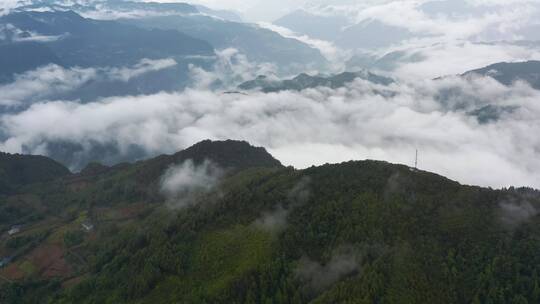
313, 126
469, 128
182, 183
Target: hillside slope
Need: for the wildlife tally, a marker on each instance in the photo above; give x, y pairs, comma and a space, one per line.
356, 232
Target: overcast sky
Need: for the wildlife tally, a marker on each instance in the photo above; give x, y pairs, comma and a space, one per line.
264, 10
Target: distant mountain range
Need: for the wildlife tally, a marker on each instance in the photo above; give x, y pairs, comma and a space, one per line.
508, 73
315, 26
305, 81
222, 29
367, 34
36, 39
258, 44
111, 9
82, 42
355, 29
124, 35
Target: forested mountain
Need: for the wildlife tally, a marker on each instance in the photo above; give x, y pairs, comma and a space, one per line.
243, 229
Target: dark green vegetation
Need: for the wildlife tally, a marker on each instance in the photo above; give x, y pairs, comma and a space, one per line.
356, 232
305, 81
18, 170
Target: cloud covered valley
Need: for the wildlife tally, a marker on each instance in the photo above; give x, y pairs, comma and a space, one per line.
470, 128
363, 120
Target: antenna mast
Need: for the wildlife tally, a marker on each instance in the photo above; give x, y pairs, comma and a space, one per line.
416, 160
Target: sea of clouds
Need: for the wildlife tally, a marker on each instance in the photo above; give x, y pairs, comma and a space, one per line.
309, 127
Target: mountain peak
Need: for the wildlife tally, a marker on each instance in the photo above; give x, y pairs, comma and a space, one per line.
229, 153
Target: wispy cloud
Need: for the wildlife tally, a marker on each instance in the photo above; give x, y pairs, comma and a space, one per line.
230, 68
13, 34
182, 183
332, 53
45, 81
48, 81
318, 277
143, 67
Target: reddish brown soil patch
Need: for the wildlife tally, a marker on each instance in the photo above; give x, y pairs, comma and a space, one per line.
92, 236
60, 268
12, 272
118, 214
132, 210
49, 261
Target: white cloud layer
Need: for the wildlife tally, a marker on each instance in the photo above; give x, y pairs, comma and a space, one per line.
314, 126
452, 58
